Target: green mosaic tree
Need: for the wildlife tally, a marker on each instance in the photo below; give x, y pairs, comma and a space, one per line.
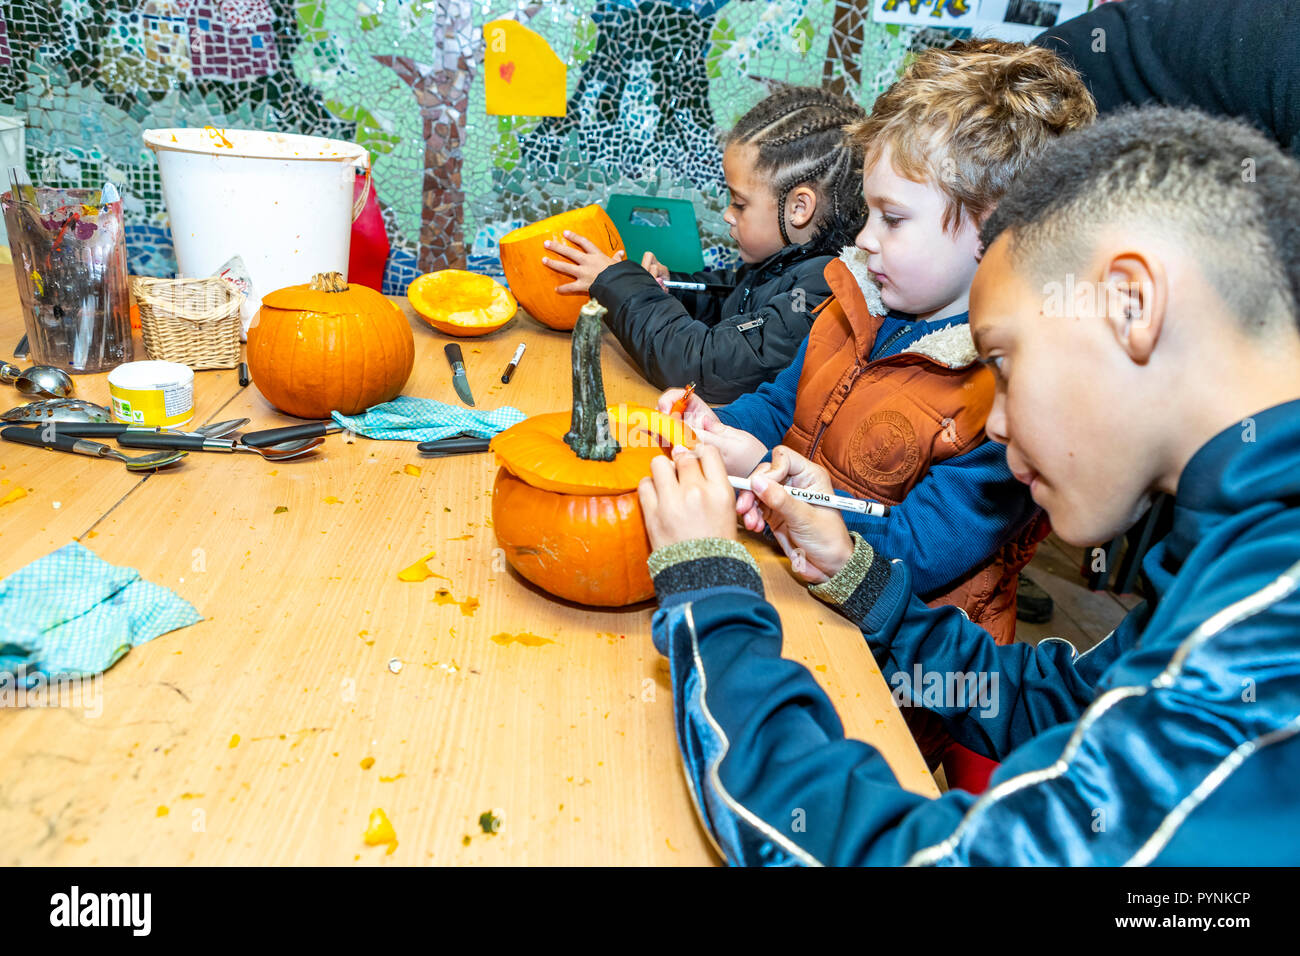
403, 73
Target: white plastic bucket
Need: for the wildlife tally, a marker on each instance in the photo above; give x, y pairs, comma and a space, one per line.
13, 146
281, 201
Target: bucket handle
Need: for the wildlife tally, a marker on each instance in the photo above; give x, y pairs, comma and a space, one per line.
359, 203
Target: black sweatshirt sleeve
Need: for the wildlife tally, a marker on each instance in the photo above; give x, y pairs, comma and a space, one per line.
724, 360
705, 307
1236, 58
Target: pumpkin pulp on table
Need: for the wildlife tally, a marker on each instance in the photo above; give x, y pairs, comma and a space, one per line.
328, 346
564, 506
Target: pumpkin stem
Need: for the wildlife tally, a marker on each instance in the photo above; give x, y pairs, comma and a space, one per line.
589, 435
328, 282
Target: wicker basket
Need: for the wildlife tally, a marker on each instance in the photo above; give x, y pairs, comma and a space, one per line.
191, 321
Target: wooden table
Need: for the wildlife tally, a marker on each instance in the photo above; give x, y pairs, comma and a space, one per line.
270, 731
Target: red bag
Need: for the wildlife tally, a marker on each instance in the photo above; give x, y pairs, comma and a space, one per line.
370, 247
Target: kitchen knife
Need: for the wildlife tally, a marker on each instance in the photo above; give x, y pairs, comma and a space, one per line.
458, 377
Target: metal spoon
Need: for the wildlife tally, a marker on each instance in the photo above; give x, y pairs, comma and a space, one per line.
45, 381
278, 452
93, 449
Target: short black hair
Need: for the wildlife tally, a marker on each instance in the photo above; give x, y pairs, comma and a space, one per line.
1219, 184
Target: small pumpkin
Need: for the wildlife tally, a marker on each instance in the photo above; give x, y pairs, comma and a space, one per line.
564, 506
461, 303
533, 283
327, 346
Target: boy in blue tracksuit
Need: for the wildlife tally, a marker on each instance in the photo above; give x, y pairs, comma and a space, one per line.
1138, 301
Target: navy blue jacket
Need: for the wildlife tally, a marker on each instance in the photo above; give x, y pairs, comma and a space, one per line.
975, 492
1176, 740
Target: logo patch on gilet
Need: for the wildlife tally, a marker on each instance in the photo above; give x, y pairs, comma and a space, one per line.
884, 448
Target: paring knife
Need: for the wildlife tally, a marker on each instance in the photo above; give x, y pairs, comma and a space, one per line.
458, 377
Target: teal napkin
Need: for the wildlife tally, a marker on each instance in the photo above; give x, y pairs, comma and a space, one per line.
423, 419
72, 613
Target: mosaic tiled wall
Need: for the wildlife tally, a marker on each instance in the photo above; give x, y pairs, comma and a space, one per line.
649, 87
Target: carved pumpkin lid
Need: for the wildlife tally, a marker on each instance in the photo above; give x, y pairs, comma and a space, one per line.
535, 451
329, 293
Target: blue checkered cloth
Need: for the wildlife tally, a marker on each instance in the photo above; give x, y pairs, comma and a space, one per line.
72, 613
423, 419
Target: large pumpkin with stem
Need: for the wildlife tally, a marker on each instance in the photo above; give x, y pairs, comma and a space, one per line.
564, 507
532, 283
328, 346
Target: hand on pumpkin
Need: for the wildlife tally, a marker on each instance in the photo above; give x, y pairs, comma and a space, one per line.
740, 450
814, 539
584, 263
653, 266
687, 497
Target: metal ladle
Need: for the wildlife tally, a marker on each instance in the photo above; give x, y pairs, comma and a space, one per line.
39, 381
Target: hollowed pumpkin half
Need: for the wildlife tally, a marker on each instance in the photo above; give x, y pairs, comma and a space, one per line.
461, 303
533, 283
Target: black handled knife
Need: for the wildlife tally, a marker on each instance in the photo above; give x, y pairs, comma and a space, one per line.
458, 377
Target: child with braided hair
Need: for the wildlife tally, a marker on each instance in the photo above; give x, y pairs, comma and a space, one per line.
796, 200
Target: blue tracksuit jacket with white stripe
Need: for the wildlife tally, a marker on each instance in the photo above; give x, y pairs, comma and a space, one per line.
1176, 740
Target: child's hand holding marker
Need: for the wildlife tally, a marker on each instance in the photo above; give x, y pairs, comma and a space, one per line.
813, 538
689, 496
740, 450
653, 266
582, 260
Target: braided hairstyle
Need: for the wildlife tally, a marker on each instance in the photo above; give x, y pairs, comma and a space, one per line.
799, 135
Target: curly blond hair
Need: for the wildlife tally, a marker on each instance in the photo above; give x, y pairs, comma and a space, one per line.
970, 117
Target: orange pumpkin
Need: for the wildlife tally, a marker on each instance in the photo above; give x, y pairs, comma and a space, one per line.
533, 283
568, 521
327, 346
461, 303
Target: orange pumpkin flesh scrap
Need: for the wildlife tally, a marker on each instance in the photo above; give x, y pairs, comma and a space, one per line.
533, 283
461, 303
328, 346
